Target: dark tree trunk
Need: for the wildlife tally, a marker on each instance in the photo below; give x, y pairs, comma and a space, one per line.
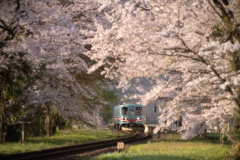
2, 129
47, 122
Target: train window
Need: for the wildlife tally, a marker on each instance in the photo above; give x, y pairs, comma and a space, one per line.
124, 111
117, 113
139, 111
131, 111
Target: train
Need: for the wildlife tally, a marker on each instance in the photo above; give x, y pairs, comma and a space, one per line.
127, 115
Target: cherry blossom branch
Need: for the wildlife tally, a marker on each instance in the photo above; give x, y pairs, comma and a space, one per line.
213, 8
229, 137
11, 31
232, 31
143, 8
214, 71
179, 55
18, 5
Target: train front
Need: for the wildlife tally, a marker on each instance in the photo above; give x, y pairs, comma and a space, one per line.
131, 115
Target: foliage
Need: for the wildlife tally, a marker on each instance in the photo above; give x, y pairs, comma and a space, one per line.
106, 111
217, 31
16, 75
37, 125
109, 95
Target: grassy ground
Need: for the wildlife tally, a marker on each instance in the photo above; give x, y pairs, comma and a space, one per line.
62, 138
174, 149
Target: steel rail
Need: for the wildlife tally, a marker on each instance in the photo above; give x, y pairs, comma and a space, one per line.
70, 150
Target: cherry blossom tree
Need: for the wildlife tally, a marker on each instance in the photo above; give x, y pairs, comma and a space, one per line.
51, 34
195, 44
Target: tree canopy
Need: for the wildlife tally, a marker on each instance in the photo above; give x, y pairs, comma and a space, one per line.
194, 43
47, 38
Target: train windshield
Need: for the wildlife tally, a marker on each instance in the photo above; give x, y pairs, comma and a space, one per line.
131, 111
139, 111
124, 111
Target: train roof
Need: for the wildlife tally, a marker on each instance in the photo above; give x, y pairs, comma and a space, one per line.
122, 105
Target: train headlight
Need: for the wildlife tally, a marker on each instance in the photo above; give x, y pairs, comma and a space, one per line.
137, 118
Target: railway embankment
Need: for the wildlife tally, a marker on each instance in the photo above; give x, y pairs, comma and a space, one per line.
62, 138
73, 149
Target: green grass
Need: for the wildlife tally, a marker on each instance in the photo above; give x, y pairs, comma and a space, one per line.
62, 138
172, 149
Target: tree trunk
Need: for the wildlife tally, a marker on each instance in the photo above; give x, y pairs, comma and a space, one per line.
47, 122
23, 133
2, 129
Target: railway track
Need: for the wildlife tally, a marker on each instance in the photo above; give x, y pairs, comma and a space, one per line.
70, 150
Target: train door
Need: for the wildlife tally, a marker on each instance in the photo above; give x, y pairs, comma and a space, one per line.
132, 115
